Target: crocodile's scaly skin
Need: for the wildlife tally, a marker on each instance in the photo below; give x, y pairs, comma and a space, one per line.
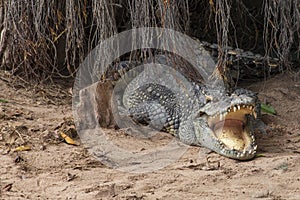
187, 118
209, 117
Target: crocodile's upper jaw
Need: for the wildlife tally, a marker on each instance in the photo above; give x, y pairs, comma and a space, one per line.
229, 132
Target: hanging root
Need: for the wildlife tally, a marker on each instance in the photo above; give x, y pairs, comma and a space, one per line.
47, 39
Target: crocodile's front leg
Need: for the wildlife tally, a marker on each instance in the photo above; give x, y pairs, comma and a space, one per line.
186, 133
149, 113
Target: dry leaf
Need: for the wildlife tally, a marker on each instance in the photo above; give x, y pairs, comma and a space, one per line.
7, 187
67, 138
23, 148
70, 177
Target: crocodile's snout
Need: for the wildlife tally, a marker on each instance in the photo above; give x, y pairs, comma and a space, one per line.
230, 126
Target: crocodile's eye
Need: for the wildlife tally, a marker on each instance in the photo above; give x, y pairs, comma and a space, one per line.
200, 114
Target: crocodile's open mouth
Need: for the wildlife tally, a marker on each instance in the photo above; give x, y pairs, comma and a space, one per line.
232, 128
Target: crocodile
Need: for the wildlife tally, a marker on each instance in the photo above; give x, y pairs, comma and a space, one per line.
227, 130
207, 116
244, 65
220, 119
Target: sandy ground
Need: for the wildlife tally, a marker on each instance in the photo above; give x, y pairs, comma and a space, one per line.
53, 169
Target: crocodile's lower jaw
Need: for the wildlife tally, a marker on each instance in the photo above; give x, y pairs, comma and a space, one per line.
234, 132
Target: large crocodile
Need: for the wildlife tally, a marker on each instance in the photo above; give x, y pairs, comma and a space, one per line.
219, 118
204, 116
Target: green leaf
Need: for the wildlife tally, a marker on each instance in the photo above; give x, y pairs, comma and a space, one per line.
3, 101
268, 109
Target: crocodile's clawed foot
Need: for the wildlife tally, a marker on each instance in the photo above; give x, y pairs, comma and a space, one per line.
260, 126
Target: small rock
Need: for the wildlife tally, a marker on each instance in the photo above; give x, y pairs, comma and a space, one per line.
262, 194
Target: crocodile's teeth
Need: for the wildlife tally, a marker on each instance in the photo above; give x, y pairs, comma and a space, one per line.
221, 116
255, 147
225, 113
234, 109
254, 114
239, 107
